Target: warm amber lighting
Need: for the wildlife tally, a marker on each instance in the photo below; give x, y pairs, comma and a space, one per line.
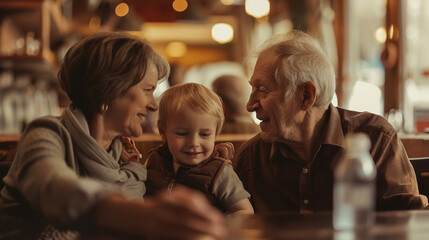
180, 5
391, 31
222, 32
94, 24
227, 2
176, 49
380, 35
263, 19
122, 9
257, 8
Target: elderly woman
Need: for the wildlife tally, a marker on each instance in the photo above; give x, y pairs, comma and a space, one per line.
69, 172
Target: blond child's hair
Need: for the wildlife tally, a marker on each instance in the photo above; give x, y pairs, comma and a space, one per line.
194, 96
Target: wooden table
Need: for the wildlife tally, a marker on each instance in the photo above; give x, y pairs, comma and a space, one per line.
417, 145
390, 225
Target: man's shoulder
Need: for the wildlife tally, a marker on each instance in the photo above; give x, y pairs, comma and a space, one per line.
253, 144
364, 122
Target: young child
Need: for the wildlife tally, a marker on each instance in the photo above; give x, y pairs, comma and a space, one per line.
190, 118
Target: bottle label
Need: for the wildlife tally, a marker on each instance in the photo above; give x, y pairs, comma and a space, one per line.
360, 195
353, 205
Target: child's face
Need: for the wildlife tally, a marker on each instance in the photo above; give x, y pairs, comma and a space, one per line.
190, 136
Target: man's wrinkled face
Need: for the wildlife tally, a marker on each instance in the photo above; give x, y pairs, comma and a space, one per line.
276, 108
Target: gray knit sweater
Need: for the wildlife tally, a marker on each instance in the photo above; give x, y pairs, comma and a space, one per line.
47, 191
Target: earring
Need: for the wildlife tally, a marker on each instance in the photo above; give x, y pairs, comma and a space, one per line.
104, 108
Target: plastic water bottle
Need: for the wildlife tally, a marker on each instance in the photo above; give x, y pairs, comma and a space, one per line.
354, 187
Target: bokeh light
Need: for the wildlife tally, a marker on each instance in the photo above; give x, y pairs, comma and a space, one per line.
176, 49
122, 9
180, 5
257, 8
380, 35
227, 2
222, 32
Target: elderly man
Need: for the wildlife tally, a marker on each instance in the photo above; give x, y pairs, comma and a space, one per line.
289, 165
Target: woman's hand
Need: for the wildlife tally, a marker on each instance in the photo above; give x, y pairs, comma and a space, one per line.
182, 214
186, 214
129, 150
224, 150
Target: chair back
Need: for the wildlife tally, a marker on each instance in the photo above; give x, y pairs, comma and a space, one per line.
421, 167
4, 169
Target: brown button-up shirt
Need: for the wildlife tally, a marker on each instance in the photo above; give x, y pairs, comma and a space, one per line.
278, 182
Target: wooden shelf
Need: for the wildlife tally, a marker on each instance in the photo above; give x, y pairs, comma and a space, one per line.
52, 8
42, 17
47, 57
45, 19
37, 66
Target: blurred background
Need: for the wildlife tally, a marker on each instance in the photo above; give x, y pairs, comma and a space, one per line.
378, 47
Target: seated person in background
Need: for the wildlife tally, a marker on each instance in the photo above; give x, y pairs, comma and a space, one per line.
289, 165
190, 118
70, 174
176, 76
232, 91
149, 126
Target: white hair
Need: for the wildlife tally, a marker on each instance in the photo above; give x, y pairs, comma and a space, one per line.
299, 59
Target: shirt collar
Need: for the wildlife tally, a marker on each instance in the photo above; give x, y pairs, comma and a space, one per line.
333, 130
275, 147
332, 134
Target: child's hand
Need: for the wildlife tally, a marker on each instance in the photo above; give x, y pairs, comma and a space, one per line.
224, 150
129, 151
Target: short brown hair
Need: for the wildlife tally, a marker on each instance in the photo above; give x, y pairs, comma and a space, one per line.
103, 66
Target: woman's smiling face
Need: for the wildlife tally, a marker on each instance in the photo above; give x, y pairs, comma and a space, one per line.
126, 113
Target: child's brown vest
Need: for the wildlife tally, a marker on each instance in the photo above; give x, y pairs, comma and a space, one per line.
203, 176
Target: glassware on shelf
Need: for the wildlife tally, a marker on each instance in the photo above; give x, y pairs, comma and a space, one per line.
20, 46
32, 44
21, 101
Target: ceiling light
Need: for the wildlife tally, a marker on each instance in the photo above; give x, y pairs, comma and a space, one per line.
180, 5
380, 35
257, 8
227, 2
122, 9
222, 32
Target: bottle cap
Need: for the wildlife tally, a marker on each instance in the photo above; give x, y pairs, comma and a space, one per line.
358, 142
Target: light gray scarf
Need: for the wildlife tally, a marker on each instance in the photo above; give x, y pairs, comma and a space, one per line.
98, 163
